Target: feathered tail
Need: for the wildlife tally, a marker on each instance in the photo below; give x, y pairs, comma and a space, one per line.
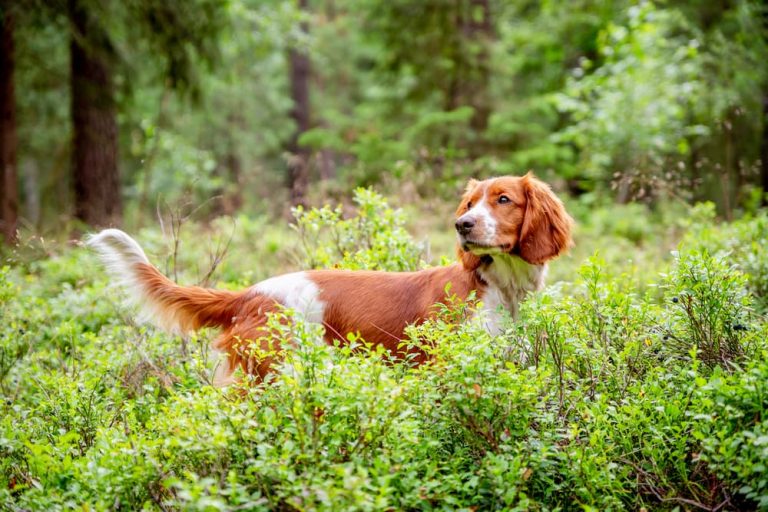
170, 306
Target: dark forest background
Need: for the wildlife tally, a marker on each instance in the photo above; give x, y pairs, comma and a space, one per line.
112, 108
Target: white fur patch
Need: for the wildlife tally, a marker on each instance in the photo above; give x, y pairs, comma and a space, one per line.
118, 251
296, 291
509, 279
120, 254
482, 211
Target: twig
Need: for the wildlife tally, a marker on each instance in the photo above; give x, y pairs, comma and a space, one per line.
218, 256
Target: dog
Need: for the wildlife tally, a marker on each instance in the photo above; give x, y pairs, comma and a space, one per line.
508, 229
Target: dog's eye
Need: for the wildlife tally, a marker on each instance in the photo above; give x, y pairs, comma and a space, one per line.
469, 205
504, 199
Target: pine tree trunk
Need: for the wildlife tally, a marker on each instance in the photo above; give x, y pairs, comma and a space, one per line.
764, 151
95, 171
469, 80
764, 139
235, 167
9, 193
230, 195
298, 161
479, 30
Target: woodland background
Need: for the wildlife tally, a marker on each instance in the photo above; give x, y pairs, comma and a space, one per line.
240, 139
112, 108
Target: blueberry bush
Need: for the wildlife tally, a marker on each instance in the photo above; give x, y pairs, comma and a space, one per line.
626, 384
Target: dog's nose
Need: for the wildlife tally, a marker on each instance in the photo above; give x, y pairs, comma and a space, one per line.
464, 225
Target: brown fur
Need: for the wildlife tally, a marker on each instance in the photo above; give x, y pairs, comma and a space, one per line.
533, 225
240, 315
376, 305
546, 229
372, 304
379, 305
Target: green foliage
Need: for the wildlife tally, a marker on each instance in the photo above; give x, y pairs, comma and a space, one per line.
734, 428
14, 343
174, 171
584, 401
744, 242
636, 381
657, 99
710, 309
629, 222
626, 119
375, 238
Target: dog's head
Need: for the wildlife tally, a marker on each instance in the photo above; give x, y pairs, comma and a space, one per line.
512, 215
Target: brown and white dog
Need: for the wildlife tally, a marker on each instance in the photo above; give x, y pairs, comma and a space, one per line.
508, 229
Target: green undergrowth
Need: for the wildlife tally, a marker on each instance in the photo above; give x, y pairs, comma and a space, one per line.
622, 386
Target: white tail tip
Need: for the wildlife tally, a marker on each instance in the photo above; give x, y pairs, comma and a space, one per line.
118, 250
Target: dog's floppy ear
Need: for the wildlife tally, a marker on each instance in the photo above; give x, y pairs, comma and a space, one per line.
546, 229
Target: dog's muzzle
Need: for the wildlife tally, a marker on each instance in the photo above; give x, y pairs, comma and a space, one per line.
464, 225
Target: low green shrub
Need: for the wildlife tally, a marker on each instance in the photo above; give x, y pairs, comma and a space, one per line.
605, 394
743, 242
374, 238
733, 429
710, 309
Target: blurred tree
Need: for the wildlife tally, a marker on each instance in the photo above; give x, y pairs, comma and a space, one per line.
446, 53
670, 104
298, 153
94, 119
478, 29
177, 35
724, 162
227, 150
625, 122
539, 45
764, 152
448, 50
434, 91
764, 140
649, 98
8, 138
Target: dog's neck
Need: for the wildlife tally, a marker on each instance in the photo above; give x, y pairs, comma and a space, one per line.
509, 279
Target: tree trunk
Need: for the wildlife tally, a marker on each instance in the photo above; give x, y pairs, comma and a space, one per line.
764, 139
298, 159
9, 194
479, 30
469, 81
230, 194
95, 171
764, 151
30, 179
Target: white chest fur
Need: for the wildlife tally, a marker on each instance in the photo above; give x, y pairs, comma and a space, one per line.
509, 280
